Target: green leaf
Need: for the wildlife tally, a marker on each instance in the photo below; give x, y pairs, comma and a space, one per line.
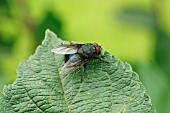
108, 86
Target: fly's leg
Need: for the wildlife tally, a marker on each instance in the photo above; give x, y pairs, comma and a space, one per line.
82, 76
83, 72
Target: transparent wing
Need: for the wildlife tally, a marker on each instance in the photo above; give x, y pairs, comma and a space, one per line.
66, 49
72, 64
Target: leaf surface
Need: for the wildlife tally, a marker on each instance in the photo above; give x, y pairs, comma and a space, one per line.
103, 86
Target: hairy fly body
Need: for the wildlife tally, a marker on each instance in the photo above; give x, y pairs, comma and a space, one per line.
76, 55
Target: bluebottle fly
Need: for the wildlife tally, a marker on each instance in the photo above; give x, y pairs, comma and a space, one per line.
76, 55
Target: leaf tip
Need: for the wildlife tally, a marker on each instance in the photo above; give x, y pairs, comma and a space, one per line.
47, 30
49, 33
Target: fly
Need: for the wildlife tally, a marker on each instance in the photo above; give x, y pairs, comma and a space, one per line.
76, 55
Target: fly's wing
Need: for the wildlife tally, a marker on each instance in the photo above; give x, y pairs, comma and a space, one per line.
72, 64
66, 49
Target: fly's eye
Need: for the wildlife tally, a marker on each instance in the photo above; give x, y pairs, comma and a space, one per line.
98, 50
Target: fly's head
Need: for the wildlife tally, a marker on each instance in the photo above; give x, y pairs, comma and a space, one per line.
98, 49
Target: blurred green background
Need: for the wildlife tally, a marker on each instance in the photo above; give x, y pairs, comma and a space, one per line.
135, 31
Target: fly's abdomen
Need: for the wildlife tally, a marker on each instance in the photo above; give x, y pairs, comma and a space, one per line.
67, 57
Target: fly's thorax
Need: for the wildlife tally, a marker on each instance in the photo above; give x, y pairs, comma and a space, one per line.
87, 50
